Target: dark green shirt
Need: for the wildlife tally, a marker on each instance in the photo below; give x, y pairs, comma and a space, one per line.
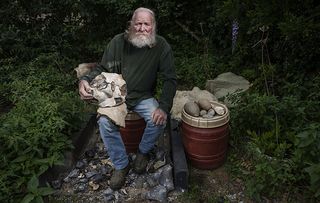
140, 68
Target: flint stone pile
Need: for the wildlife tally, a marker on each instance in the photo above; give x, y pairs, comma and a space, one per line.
203, 108
183, 97
89, 180
220, 88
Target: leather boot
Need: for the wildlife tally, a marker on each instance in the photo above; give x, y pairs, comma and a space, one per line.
140, 163
118, 178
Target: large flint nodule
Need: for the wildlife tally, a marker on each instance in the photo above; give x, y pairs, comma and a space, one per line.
165, 178
109, 89
158, 193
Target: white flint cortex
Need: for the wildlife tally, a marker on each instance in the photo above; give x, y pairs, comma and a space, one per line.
99, 82
117, 90
109, 89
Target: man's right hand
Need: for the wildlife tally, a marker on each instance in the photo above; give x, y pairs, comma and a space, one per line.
85, 90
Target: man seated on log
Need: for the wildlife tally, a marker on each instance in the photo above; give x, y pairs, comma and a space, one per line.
139, 54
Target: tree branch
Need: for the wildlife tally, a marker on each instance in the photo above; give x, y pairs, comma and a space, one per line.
187, 30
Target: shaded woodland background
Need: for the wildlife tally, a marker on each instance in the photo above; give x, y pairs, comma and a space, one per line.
273, 44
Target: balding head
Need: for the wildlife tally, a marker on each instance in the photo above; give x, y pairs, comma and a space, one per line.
142, 9
142, 28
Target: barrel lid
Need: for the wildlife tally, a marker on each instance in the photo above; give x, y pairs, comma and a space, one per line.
132, 115
201, 122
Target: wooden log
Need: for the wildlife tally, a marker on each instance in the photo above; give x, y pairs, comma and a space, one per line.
180, 167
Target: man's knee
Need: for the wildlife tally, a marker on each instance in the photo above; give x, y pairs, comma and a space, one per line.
106, 123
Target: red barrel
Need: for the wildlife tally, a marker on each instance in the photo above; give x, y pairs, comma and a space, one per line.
132, 133
206, 140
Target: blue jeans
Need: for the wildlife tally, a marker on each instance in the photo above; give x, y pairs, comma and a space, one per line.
112, 139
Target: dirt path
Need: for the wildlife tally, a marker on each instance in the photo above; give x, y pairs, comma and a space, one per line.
212, 186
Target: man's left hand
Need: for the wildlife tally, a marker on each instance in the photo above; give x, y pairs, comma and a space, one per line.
159, 117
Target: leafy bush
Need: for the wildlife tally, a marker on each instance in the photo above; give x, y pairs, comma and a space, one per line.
271, 177
283, 146
195, 71
300, 171
306, 156
36, 132
35, 192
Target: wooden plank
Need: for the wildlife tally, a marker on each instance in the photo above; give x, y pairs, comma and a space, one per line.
180, 167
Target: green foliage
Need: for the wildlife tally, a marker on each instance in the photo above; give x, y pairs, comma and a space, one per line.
273, 174
193, 193
306, 155
284, 150
45, 111
195, 70
35, 192
299, 33
271, 177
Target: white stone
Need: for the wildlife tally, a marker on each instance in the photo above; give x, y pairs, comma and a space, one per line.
227, 83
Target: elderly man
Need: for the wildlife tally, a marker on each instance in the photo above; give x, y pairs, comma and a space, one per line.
139, 55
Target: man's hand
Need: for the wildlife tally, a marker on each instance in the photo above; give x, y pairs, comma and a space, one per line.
159, 117
84, 90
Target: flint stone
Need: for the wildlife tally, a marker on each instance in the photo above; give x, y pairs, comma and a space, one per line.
94, 162
117, 195
207, 116
97, 178
66, 179
132, 178
94, 186
109, 89
139, 182
160, 153
56, 184
123, 192
203, 112
158, 193
108, 198
132, 157
81, 187
159, 164
151, 182
83, 180
74, 173
91, 174
81, 175
108, 191
105, 170
182, 97
80, 164
90, 153
166, 177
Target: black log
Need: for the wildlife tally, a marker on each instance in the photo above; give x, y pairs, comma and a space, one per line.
180, 167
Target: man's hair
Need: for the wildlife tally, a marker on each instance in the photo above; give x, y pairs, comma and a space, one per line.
142, 9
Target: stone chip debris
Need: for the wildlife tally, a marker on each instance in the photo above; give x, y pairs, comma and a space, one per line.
89, 180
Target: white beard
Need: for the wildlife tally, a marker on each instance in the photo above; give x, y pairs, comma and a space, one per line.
142, 40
